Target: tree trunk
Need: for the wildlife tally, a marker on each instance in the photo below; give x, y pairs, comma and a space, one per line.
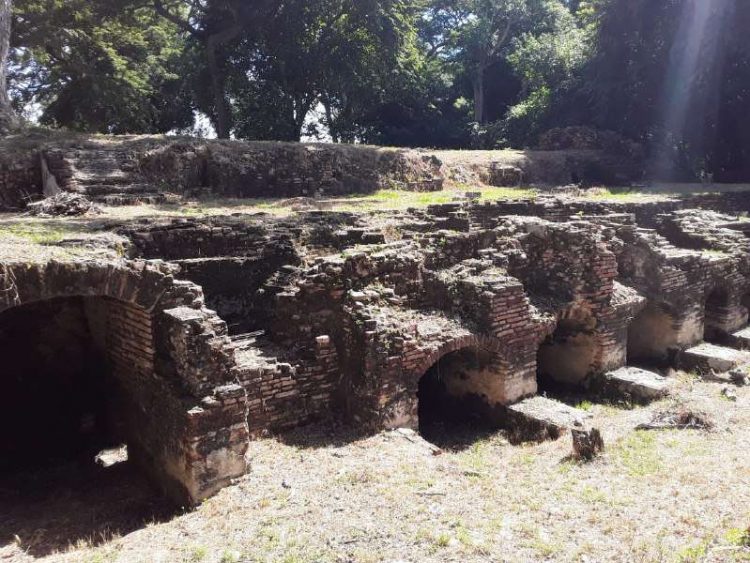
479, 116
301, 109
222, 111
8, 118
330, 121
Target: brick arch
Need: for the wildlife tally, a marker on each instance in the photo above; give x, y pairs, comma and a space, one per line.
475, 378
147, 285
194, 411
463, 342
660, 327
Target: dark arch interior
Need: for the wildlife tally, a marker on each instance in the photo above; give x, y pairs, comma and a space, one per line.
55, 385
716, 313
453, 397
566, 357
652, 337
61, 409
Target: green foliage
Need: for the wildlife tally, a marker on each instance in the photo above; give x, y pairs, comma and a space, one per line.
436, 73
99, 66
340, 55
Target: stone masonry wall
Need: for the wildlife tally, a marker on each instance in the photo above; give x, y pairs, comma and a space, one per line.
183, 411
20, 179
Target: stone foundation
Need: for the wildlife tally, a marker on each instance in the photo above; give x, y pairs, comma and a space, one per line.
332, 316
167, 360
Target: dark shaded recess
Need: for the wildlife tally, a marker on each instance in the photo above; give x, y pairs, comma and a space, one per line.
652, 338
566, 357
717, 307
54, 386
58, 412
447, 420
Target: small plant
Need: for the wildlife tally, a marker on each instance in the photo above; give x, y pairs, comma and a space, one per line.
442, 540
693, 554
738, 537
229, 556
638, 453
593, 495
197, 553
585, 406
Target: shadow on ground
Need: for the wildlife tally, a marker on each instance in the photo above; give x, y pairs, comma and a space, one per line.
459, 436
47, 511
446, 435
321, 435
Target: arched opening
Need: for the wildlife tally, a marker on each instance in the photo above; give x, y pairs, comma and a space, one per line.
567, 357
652, 337
718, 315
67, 419
54, 385
457, 395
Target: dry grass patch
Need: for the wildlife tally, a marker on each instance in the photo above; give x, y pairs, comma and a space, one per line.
323, 494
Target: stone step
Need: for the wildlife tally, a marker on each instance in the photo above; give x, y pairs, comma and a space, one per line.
120, 199
740, 339
540, 418
706, 358
246, 340
632, 384
106, 176
116, 189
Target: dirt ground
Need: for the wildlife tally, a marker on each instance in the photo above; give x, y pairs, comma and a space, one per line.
324, 494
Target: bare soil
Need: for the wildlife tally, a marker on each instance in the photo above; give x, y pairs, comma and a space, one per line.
326, 494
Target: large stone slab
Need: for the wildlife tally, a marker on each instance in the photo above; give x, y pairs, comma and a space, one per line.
707, 358
539, 418
741, 339
632, 384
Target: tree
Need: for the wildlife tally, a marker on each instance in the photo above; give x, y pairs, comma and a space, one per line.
104, 66
482, 34
549, 65
213, 25
8, 117
336, 56
637, 78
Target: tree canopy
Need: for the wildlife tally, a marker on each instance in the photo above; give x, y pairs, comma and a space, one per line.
673, 75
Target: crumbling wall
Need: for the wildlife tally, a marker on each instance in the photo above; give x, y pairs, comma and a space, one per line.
186, 416
234, 169
20, 179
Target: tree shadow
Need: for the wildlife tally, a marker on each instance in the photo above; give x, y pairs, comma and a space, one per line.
46, 511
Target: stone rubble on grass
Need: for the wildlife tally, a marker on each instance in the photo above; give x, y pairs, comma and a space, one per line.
740, 377
64, 204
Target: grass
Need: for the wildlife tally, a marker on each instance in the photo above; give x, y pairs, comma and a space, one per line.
381, 200
653, 496
587, 406
623, 195
36, 232
639, 454
713, 252
400, 200
739, 537
37, 239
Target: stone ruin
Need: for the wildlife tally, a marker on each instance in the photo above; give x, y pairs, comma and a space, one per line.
211, 332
